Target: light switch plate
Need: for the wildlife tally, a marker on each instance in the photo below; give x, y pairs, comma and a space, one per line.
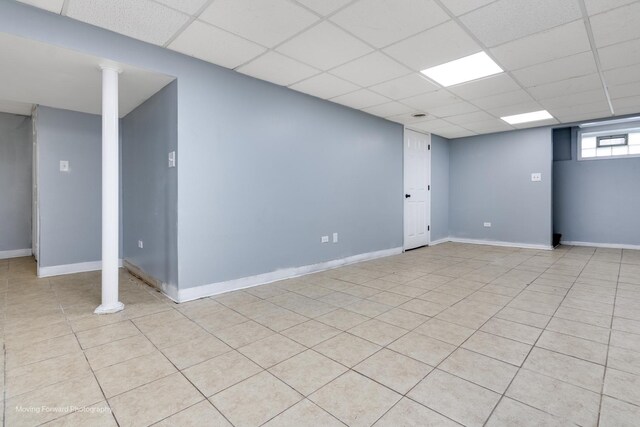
324, 239
335, 237
536, 177
172, 159
487, 224
64, 166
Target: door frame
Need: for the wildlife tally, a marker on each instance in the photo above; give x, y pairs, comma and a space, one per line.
35, 186
404, 234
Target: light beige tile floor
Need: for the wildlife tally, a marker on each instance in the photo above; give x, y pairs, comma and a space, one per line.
449, 335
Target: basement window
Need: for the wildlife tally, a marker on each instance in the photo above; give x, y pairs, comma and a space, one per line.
611, 144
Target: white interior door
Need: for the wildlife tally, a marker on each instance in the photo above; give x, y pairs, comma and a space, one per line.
417, 186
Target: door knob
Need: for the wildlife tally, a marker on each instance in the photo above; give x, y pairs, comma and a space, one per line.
406, 196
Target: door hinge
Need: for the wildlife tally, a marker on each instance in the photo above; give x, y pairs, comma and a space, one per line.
429, 146
428, 188
428, 228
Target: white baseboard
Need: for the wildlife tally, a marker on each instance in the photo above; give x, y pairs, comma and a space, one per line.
439, 241
81, 267
184, 295
500, 243
15, 253
600, 245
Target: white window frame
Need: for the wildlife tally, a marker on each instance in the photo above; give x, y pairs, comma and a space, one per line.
608, 132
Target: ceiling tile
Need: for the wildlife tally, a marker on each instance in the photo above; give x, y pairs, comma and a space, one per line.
12, 107
460, 7
382, 22
506, 20
556, 43
324, 46
598, 6
566, 87
360, 99
431, 100
504, 99
566, 113
620, 55
370, 70
510, 110
215, 45
324, 7
572, 100
559, 69
454, 132
278, 69
625, 90
469, 118
186, 6
452, 109
267, 22
571, 118
407, 118
141, 19
54, 6
485, 87
436, 46
630, 105
489, 126
623, 75
389, 109
431, 125
617, 25
404, 87
442, 128
324, 86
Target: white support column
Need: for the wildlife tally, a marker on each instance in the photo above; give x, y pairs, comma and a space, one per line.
110, 192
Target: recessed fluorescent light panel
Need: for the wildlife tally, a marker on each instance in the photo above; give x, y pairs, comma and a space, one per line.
462, 70
534, 116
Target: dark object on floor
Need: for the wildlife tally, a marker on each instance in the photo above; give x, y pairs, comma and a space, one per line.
556, 239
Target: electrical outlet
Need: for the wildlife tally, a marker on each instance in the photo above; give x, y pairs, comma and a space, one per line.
324, 239
64, 166
140, 244
536, 177
335, 237
487, 224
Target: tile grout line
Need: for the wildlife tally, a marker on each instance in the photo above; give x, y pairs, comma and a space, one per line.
487, 262
534, 345
458, 347
606, 360
177, 371
87, 361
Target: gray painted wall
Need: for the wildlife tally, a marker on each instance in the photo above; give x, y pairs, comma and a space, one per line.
149, 186
253, 194
597, 201
70, 202
439, 187
265, 172
15, 182
490, 181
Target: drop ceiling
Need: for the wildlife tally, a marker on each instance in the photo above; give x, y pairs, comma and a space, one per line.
38, 73
578, 59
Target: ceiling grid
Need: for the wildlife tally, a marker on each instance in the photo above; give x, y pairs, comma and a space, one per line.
368, 54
